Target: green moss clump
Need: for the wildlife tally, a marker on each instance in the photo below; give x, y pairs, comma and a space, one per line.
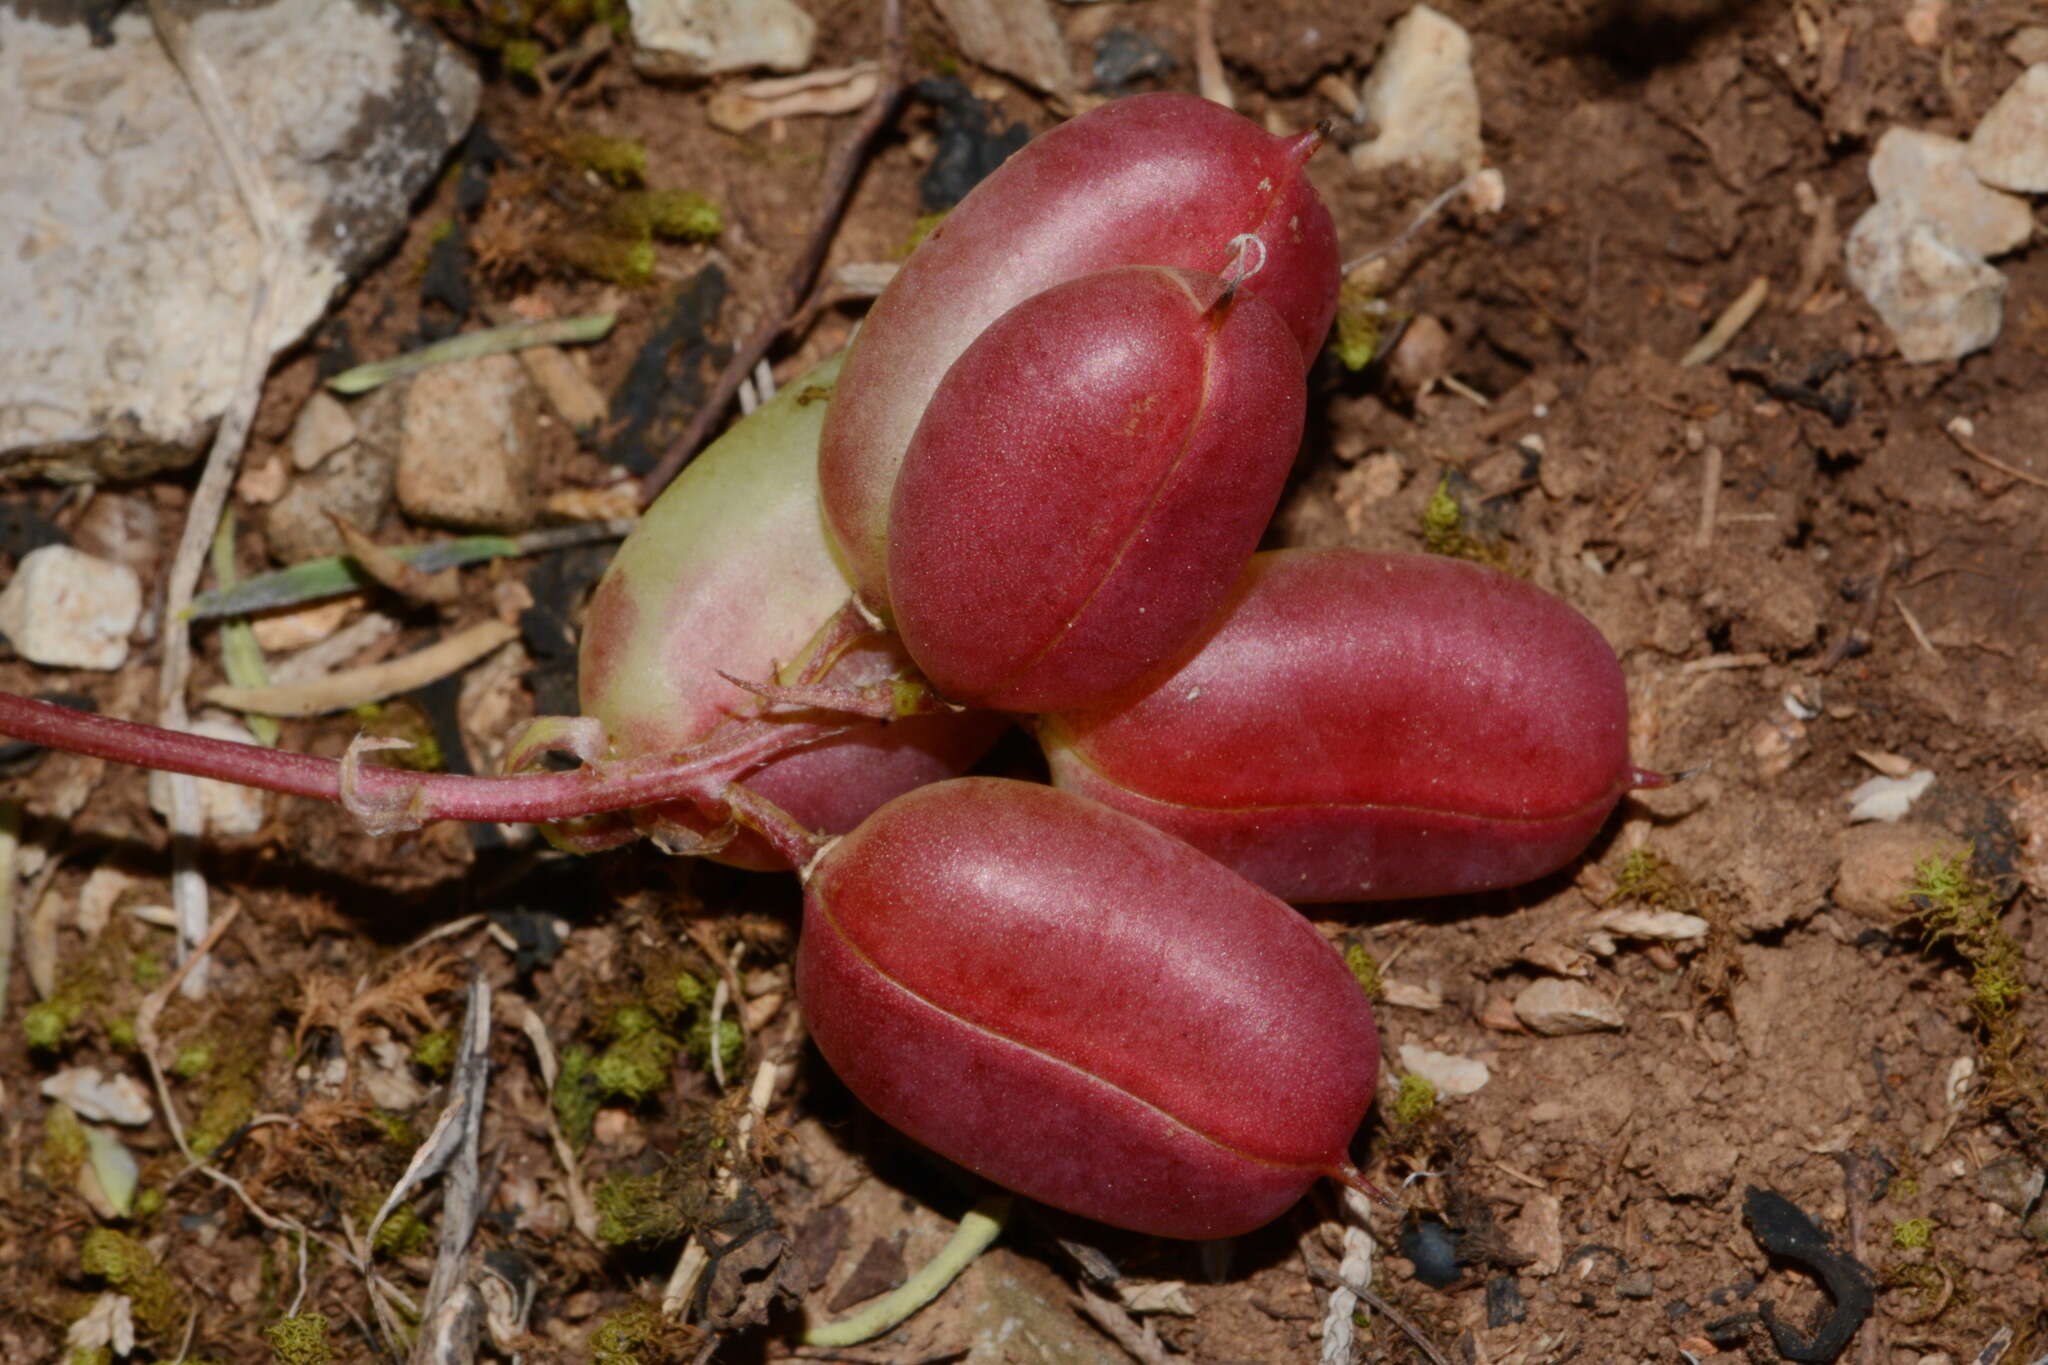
637, 1065
732, 1042
1647, 878
45, 1023
1444, 531
521, 57
228, 1105
127, 1265
193, 1060
1414, 1100
1361, 323
402, 720
149, 1202
639, 1210
621, 160
1366, 968
434, 1053
672, 215
404, 1233
576, 1096
638, 1334
121, 1034
615, 260
64, 1146
396, 1129
1953, 905
1909, 1234
300, 1339
99, 1355
147, 970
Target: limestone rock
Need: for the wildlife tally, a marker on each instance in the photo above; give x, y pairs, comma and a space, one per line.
67, 609
1940, 301
1929, 177
2009, 149
131, 259
1449, 1073
688, 38
470, 453
1552, 1006
322, 427
1016, 37
1422, 98
1876, 867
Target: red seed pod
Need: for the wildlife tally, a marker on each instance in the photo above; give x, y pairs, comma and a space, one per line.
729, 570
1080, 1008
1088, 483
1369, 727
1165, 179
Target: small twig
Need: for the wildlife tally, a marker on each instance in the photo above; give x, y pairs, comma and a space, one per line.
374, 682
1209, 78
1710, 495
10, 843
581, 1210
452, 1310
1357, 1267
1866, 620
1384, 1309
832, 199
1714, 663
1140, 1340
209, 497
515, 336
1733, 319
1913, 624
1415, 225
1964, 444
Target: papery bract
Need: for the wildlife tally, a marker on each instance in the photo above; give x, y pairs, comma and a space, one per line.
1080, 1008
730, 570
1365, 726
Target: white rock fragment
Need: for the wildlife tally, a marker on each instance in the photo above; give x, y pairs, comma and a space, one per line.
1665, 926
1448, 1072
2009, 148
1410, 996
1552, 1007
469, 456
1887, 798
67, 609
1940, 302
1929, 177
119, 1098
1422, 98
322, 427
103, 887
131, 261
230, 809
108, 1325
1016, 37
705, 37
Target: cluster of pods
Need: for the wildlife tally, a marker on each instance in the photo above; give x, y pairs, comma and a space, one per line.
1043, 469
1032, 491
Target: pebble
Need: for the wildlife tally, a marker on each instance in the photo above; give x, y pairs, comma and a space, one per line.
1888, 798
703, 37
119, 1098
469, 452
1929, 177
284, 631
1924, 21
2011, 1182
1423, 99
1876, 867
124, 528
322, 427
2009, 149
1449, 1073
229, 809
1939, 301
131, 262
1553, 1008
2028, 45
354, 481
65, 608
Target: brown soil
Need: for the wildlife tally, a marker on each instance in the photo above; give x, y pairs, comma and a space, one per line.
1864, 587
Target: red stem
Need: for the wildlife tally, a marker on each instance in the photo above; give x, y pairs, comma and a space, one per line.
697, 773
